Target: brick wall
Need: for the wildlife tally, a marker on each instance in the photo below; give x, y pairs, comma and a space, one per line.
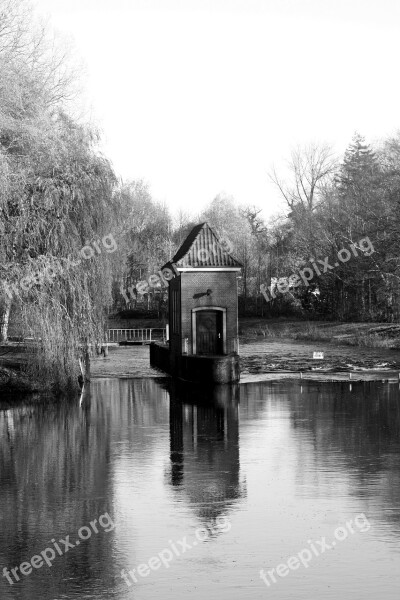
224, 295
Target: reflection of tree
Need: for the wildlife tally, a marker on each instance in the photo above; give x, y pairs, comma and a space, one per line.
57, 474
204, 430
360, 431
55, 478
352, 431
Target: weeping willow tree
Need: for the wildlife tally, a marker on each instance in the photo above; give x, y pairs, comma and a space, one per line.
60, 224
59, 215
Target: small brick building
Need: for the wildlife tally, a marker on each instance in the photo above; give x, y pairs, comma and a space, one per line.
203, 310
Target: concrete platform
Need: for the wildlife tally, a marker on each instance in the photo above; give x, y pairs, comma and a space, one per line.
218, 369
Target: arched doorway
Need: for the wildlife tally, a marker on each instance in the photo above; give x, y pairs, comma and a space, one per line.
209, 330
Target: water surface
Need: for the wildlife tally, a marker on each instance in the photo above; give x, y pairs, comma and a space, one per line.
260, 472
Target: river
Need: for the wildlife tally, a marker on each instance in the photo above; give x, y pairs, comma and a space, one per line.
271, 489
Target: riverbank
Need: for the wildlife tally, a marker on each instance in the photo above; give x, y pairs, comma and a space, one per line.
265, 357
357, 350
269, 349
263, 360
369, 335
13, 358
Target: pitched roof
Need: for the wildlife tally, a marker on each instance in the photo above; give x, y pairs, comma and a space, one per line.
202, 248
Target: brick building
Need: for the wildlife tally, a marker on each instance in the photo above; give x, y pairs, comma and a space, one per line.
203, 311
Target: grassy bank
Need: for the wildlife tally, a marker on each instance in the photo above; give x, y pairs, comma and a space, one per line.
367, 335
11, 378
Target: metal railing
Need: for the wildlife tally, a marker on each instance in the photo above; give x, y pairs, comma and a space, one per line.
144, 336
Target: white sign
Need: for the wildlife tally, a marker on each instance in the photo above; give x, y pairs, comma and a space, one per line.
318, 355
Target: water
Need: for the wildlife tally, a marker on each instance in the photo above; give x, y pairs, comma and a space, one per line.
219, 484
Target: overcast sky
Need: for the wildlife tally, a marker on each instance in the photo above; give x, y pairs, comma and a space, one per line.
199, 97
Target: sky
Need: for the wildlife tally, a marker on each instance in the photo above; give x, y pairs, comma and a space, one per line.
201, 97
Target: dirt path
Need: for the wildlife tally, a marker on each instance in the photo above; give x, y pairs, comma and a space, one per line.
125, 362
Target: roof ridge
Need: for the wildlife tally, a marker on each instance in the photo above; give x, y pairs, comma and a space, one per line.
202, 248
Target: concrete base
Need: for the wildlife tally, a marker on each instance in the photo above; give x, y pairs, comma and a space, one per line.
159, 357
214, 395
196, 368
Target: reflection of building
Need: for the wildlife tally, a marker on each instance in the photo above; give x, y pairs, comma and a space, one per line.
204, 430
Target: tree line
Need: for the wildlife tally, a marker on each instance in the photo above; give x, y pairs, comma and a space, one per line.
332, 204
341, 216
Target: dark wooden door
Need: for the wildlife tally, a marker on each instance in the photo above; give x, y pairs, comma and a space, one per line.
209, 332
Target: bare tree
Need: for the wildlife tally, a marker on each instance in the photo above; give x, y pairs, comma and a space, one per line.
310, 169
251, 214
